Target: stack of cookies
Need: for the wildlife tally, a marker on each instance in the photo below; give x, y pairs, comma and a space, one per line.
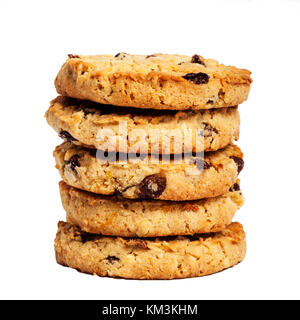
150, 172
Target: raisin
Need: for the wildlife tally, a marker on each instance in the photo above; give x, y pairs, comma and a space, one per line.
221, 94
66, 136
150, 56
197, 59
201, 164
112, 259
235, 187
208, 130
152, 186
197, 78
73, 56
73, 161
138, 243
239, 162
121, 55
142, 244
209, 102
207, 165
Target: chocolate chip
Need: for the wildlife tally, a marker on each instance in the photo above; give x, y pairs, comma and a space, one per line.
73, 56
112, 259
73, 161
152, 186
66, 136
150, 56
138, 243
197, 59
208, 130
235, 187
201, 164
239, 162
209, 102
197, 78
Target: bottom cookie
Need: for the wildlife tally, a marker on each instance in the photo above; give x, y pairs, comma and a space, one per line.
150, 258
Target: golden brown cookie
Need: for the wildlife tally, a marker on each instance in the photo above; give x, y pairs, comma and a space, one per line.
151, 258
116, 216
158, 81
145, 177
123, 129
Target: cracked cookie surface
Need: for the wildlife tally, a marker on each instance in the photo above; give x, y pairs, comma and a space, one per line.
116, 216
158, 81
150, 258
148, 177
97, 126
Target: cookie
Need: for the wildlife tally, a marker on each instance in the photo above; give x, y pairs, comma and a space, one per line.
158, 81
116, 216
150, 258
178, 179
125, 129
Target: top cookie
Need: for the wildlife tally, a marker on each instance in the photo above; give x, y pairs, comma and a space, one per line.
158, 81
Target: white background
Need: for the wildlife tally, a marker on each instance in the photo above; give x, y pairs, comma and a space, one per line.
263, 36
